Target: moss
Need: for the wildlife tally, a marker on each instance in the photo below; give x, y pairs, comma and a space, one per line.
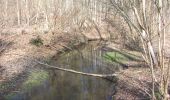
5, 86
120, 57
10, 96
158, 95
35, 78
36, 41
115, 56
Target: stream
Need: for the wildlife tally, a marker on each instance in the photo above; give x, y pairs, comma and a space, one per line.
50, 84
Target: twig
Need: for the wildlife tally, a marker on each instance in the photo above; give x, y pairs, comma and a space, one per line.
4, 46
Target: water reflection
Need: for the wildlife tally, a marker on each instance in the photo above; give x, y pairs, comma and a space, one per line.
68, 86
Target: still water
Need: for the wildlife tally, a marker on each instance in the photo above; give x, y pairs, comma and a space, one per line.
68, 86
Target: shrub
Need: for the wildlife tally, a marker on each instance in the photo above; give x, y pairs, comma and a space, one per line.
36, 41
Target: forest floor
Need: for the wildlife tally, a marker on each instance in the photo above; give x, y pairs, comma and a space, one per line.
19, 51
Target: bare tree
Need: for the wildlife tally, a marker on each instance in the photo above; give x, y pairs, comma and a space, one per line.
142, 16
18, 12
27, 12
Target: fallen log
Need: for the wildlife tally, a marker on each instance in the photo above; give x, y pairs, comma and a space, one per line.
109, 77
105, 76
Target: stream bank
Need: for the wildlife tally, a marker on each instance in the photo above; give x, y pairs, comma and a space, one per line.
86, 60
15, 65
23, 49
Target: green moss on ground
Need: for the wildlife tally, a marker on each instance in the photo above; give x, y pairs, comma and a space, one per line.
35, 78
5, 86
115, 56
10, 96
36, 41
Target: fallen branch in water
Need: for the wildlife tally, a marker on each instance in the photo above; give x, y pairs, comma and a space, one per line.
106, 76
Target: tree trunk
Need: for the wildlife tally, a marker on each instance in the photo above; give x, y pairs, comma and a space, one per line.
18, 12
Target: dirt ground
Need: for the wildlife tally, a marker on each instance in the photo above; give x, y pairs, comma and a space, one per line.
133, 84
